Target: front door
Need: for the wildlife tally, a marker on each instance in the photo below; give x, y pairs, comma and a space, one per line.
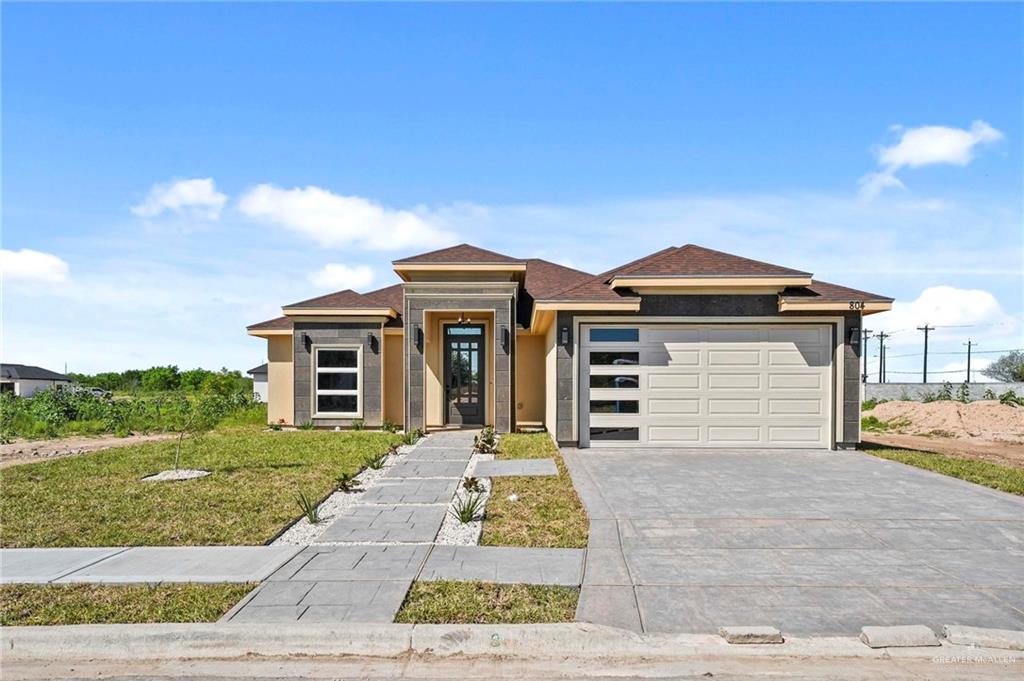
464, 378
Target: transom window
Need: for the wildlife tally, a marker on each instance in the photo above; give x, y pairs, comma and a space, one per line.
619, 334
337, 384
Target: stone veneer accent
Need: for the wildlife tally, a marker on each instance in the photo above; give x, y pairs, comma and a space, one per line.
346, 333
422, 298
683, 306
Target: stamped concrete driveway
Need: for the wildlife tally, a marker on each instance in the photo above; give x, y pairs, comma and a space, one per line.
810, 542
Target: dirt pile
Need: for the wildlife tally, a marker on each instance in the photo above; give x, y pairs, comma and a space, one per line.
984, 419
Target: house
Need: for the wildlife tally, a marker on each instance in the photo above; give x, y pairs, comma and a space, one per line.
25, 380
259, 383
686, 347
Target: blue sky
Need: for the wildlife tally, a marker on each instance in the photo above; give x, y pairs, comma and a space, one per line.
173, 172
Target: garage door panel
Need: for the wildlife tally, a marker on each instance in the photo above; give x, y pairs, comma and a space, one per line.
714, 386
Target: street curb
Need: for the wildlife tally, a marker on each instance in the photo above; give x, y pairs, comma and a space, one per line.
538, 641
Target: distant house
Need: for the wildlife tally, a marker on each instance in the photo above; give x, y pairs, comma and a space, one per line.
259, 382
24, 380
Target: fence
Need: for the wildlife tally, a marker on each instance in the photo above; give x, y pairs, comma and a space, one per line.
916, 391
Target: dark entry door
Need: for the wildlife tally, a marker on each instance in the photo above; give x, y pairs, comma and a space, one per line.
464, 378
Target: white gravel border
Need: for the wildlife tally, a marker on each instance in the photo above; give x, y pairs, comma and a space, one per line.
304, 533
456, 533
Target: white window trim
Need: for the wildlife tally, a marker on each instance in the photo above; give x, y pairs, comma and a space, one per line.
358, 392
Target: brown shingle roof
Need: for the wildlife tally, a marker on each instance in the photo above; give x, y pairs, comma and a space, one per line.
826, 292
463, 254
544, 278
391, 296
697, 261
275, 323
346, 298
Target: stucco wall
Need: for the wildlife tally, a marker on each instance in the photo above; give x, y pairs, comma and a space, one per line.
530, 365
281, 380
394, 402
683, 306
347, 333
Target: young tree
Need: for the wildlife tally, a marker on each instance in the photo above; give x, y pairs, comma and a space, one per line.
203, 413
1008, 368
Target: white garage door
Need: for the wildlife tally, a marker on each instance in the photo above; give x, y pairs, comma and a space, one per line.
726, 385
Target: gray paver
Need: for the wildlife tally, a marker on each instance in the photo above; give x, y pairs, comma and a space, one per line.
515, 467
812, 542
444, 453
39, 566
395, 523
606, 567
426, 469
187, 564
507, 565
411, 491
353, 563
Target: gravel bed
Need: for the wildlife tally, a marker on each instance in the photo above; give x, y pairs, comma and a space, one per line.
456, 533
304, 533
180, 474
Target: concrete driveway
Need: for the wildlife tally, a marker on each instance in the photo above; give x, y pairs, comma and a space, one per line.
810, 542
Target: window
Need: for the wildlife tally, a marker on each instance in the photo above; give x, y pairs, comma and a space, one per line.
336, 388
618, 335
614, 358
615, 381
614, 406
613, 434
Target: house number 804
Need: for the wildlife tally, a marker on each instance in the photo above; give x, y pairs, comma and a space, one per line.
856, 304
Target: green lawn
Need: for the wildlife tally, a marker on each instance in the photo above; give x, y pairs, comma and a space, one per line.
548, 512
485, 603
98, 499
54, 604
980, 472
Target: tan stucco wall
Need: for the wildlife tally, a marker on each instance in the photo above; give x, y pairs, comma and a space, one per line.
394, 398
280, 380
550, 378
530, 365
433, 376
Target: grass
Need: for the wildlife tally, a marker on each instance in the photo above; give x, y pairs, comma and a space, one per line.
984, 473
54, 604
98, 499
485, 603
547, 514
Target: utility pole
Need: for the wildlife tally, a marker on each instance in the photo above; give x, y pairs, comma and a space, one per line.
881, 336
924, 370
969, 343
864, 351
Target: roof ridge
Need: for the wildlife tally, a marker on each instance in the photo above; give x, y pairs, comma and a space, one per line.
454, 246
741, 257
556, 264
653, 257
603, 276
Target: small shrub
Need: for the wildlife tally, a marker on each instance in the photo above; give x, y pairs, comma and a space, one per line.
377, 461
1011, 399
275, 426
472, 485
358, 424
467, 509
871, 403
928, 396
945, 392
989, 395
389, 427
309, 508
412, 437
306, 425
487, 441
963, 393
873, 424
346, 482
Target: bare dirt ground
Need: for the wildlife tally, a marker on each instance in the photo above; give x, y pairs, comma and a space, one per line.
984, 430
32, 451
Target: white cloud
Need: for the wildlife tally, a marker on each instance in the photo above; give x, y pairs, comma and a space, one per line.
196, 197
333, 220
955, 372
336, 276
35, 266
955, 312
923, 146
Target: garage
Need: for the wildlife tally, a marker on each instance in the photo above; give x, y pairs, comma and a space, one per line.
706, 385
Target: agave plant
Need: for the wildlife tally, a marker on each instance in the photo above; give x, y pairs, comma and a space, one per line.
309, 508
377, 461
468, 508
346, 482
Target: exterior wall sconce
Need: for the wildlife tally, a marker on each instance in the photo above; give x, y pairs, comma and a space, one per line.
371, 340
416, 337
563, 336
506, 338
854, 335
305, 341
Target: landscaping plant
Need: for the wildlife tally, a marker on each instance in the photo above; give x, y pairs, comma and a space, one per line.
487, 441
472, 485
377, 461
963, 393
347, 483
358, 424
1011, 399
310, 509
467, 509
389, 427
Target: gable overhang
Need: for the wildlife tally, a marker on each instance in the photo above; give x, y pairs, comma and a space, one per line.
406, 270
269, 333
710, 284
541, 308
862, 306
334, 312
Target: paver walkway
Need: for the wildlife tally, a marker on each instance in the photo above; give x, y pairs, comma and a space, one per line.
515, 467
811, 542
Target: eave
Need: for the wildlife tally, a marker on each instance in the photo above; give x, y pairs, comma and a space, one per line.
388, 312
542, 306
404, 269
676, 284
862, 306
